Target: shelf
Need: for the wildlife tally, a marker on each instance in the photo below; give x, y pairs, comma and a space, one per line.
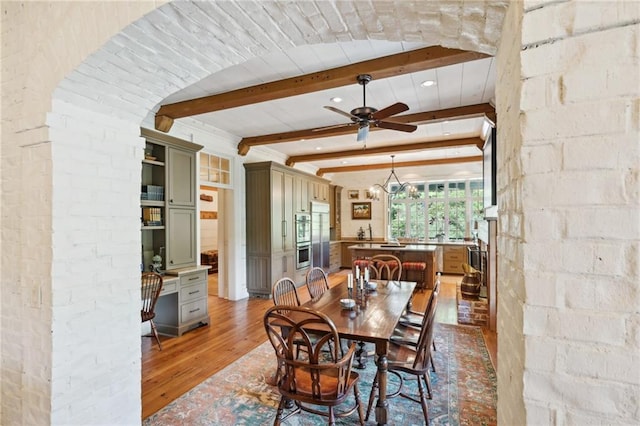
153, 162
152, 203
151, 228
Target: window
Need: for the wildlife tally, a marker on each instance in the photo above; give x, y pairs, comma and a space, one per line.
407, 213
214, 170
440, 209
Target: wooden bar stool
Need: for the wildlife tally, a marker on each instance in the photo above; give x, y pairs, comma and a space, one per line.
362, 264
415, 268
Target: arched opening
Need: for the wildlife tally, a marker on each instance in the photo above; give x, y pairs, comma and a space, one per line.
94, 133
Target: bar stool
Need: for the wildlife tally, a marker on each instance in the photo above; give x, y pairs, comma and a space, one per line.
418, 268
362, 264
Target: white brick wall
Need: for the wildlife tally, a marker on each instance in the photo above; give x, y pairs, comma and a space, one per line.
569, 276
568, 166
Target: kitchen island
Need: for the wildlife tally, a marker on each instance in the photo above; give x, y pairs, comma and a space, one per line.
429, 254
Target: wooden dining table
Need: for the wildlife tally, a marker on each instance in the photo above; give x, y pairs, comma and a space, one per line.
372, 320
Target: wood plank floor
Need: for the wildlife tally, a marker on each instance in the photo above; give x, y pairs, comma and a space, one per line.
236, 328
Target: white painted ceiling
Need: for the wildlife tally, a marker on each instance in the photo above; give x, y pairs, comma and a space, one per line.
457, 85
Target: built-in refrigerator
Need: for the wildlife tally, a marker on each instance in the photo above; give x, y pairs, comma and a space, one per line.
320, 235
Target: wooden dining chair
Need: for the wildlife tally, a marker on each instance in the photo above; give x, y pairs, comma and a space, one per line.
284, 292
387, 267
151, 286
317, 282
414, 318
404, 360
410, 321
324, 378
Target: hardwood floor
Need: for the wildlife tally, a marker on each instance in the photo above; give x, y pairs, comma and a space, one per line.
236, 328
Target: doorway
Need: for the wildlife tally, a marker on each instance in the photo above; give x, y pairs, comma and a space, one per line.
209, 250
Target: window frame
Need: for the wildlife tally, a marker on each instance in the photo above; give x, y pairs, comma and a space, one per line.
446, 198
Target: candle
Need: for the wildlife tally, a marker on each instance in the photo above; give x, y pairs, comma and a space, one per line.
357, 272
366, 275
361, 284
349, 281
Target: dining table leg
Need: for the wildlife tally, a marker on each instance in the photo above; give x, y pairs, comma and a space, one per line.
382, 407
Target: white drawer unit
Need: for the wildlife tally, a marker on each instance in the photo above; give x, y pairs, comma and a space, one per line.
193, 311
193, 292
183, 307
169, 286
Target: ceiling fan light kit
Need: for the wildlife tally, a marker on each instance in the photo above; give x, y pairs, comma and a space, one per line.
366, 116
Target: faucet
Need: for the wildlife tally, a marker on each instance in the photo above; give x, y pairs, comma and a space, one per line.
370, 233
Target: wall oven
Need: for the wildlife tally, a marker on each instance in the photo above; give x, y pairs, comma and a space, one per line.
303, 229
303, 256
303, 240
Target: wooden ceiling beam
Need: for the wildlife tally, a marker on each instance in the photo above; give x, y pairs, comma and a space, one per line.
416, 118
417, 146
379, 68
433, 162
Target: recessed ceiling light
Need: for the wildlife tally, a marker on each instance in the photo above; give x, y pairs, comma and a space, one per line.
344, 162
428, 83
336, 99
318, 148
447, 133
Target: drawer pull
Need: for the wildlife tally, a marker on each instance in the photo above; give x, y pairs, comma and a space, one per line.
193, 278
194, 310
194, 292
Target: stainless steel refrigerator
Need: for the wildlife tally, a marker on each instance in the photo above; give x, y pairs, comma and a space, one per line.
320, 235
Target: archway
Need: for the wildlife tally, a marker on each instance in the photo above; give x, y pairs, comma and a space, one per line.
95, 148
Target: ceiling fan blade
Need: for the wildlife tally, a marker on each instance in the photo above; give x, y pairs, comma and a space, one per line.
339, 111
363, 132
397, 126
389, 111
335, 126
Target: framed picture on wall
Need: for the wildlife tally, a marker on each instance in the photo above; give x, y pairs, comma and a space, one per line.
353, 194
361, 210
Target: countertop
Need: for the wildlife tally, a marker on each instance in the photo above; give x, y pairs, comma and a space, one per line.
182, 271
417, 243
391, 247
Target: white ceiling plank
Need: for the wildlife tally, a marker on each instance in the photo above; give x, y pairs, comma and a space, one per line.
457, 85
449, 86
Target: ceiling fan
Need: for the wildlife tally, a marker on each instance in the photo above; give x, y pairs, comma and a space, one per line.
365, 116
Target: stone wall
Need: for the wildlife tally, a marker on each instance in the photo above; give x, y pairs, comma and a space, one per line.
510, 283
569, 224
77, 82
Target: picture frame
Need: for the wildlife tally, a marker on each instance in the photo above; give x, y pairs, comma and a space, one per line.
361, 210
353, 194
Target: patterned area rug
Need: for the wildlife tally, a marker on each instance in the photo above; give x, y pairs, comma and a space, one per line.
464, 390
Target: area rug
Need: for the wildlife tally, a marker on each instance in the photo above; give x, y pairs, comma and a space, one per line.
464, 390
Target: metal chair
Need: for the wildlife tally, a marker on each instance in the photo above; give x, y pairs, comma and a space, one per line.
151, 287
324, 378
